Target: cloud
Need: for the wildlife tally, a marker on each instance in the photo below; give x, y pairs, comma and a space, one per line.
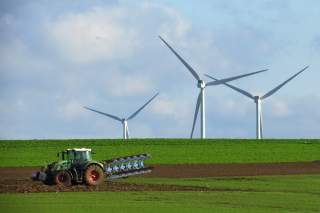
315, 43
302, 121
16, 56
279, 108
10, 5
70, 110
176, 107
110, 33
96, 35
6, 20
176, 28
164, 106
122, 84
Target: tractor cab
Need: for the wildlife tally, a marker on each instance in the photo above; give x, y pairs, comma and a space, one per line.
80, 155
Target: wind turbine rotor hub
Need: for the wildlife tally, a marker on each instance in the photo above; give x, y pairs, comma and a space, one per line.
201, 84
257, 98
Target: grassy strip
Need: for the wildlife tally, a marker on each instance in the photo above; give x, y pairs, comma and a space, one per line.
223, 202
308, 184
164, 151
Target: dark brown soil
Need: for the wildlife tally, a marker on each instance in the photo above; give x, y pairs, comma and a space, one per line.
226, 170
19, 179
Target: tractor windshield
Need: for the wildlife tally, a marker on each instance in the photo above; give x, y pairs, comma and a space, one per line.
82, 155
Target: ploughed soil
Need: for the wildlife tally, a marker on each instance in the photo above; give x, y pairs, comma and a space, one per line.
19, 180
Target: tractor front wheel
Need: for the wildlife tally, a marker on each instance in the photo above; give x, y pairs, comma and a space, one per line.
63, 178
94, 175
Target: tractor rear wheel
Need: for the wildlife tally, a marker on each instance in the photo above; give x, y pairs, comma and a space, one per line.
94, 175
63, 178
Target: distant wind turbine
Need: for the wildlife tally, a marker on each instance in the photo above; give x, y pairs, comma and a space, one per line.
202, 84
258, 99
124, 121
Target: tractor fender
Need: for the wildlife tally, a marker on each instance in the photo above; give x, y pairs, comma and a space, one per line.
94, 163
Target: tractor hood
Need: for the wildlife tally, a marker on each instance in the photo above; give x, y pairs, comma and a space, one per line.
57, 165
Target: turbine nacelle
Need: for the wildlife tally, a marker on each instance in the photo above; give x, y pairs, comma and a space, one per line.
201, 84
257, 98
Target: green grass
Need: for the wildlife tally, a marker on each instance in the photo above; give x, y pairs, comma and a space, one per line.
164, 151
306, 184
268, 194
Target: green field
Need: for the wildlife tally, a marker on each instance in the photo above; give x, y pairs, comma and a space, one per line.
304, 184
299, 193
294, 193
165, 151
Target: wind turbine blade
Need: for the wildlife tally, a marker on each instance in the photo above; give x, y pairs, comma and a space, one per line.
192, 71
235, 88
143, 106
271, 92
103, 113
225, 80
196, 114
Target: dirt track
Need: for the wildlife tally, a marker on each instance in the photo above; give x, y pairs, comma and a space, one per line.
18, 179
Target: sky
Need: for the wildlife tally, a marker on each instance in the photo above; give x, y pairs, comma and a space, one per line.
58, 56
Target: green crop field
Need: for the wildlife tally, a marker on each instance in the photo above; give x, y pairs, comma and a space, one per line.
299, 193
164, 151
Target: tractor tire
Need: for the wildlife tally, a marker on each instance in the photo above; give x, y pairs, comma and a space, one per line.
94, 175
62, 178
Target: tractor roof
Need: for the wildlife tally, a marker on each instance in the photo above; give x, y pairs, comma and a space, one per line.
79, 149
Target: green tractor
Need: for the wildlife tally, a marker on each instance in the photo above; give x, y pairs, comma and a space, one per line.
76, 166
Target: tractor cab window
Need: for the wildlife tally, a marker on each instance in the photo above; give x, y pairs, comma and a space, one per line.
66, 155
85, 155
88, 155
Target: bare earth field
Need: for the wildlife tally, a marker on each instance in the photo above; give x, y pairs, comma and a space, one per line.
13, 180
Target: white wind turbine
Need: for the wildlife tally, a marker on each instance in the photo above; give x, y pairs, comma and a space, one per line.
124, 121
258, 99
202, 84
